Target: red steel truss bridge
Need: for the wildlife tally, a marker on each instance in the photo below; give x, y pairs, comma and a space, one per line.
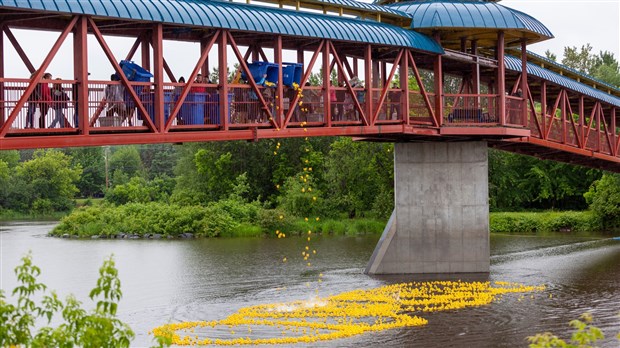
336, 68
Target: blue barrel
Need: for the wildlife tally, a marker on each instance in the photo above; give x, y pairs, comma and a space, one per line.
148, 100
193, 109
134, 72
213, 107
291, 73
258, 69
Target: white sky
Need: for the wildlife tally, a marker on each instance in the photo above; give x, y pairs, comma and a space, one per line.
573, 22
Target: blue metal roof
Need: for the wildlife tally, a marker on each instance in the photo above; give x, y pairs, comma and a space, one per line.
514, 63
468, 14
574, 71
236, 16
365, 7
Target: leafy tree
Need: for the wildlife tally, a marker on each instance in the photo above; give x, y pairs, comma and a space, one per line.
604, 199
45, 183
356, 172
550, 55
92, 161
298, 196
579, 59
79, 328
140, 190
158, 159
518, 182
127, 162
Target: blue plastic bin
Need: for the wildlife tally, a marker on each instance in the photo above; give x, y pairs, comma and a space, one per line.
148, 102
213, 107
291, 73
193, 108
134, 72
258, 69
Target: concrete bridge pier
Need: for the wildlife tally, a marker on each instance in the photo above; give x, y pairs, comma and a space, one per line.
440, 222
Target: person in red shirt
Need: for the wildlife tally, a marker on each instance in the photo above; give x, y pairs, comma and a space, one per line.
46, 99
198, 89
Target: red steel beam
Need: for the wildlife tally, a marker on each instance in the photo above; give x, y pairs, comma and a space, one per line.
369, 80
349, 88
251, 81
386, 87
19, 49
134, 47
206, 48
404, 87
524, 82
223, 78
416, 73
146, 51
501, 78
106, 49
36, 78
277, 53
2, 109
438, 72
158, 74
327, 85
303, 81
80, 67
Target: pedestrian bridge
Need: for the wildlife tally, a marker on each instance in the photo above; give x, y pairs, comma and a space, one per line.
429, 75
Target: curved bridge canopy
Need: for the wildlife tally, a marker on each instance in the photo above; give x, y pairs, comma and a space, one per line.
236, 16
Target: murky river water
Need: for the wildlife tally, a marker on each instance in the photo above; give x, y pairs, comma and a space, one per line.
187, 280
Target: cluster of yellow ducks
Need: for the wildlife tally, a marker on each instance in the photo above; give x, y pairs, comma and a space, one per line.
343, 315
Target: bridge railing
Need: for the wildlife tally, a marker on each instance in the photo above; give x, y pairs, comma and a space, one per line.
514, 115
419, 112
468, 109
46, 108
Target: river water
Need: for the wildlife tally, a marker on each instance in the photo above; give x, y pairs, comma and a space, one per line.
188, 280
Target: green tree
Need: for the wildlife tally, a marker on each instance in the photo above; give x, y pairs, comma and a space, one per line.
158, 159
79, 328
125, 163
356, 174
140, 190
92, 161
604, 199
46, 183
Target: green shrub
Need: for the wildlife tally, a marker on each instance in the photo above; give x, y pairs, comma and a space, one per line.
585, 335
19, 324
147, 218
271, 220
544, 222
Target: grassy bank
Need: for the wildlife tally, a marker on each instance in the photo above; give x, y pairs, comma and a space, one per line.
11, 215
543, 222
234, 219
223, 219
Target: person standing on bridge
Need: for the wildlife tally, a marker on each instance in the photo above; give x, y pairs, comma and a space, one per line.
114, 98
60, 99
40, 97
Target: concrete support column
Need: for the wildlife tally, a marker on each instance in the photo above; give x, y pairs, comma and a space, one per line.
440, 222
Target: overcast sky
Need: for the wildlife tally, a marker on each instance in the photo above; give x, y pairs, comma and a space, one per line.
573, 22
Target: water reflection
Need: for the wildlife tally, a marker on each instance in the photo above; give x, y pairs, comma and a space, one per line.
178, 280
